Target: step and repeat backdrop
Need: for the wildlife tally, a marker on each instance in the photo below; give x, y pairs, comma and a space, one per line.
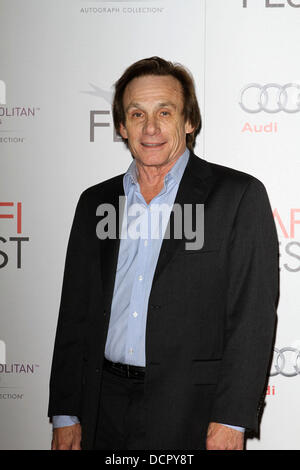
58, 63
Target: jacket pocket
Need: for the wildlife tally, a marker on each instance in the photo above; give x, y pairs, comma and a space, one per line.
209, 246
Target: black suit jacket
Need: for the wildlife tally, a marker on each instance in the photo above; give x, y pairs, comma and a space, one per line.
211, 314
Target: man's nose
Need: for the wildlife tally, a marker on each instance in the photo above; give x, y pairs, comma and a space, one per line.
151, 126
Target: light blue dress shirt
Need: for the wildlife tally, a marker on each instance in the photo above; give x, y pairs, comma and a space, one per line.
142, 234
137, 262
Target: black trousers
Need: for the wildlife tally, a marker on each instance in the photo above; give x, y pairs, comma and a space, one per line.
121, 419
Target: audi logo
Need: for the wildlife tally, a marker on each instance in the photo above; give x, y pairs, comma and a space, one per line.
286, 362
271, 98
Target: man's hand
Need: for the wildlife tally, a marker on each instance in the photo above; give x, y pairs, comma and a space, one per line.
67, 438
220, 437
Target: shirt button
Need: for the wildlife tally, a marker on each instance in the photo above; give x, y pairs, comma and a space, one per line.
135, 314
141, 278
146, 243
130, 351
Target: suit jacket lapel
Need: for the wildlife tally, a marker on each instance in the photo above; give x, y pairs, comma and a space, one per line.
109, 247
194, 188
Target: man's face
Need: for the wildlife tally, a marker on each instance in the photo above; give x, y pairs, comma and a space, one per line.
154, 123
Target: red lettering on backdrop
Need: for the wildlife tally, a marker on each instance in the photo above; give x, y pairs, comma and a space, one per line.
11, 216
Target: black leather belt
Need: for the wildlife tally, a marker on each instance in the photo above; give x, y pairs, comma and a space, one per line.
124, 370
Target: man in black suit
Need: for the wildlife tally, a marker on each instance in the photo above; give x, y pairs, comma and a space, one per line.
163, 342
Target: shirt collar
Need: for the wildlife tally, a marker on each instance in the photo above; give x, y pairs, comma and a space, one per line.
175, 173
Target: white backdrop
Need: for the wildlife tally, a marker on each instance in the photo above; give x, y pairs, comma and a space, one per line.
58, 62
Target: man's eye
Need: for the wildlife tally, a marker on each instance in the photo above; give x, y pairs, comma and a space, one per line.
165, 113
137, 114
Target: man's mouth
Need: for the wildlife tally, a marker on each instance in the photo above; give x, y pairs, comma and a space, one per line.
152, 145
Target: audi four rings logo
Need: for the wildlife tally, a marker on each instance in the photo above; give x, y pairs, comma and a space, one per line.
286, 362
271, 98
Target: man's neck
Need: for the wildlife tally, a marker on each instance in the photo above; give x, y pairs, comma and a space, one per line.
151, 178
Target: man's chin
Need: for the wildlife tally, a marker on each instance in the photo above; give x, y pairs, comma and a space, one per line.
152, 161
155, 158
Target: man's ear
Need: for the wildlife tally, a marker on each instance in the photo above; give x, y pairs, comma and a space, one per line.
189, 128
123, 131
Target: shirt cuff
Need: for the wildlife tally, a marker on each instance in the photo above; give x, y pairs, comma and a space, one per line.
237, 428
61, 421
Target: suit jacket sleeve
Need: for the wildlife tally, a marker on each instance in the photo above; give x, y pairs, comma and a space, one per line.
67, 363
251, 311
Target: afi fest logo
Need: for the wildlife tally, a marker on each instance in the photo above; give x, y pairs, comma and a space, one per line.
16, 214
101, 118
2, 92
275, 4
289, 247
